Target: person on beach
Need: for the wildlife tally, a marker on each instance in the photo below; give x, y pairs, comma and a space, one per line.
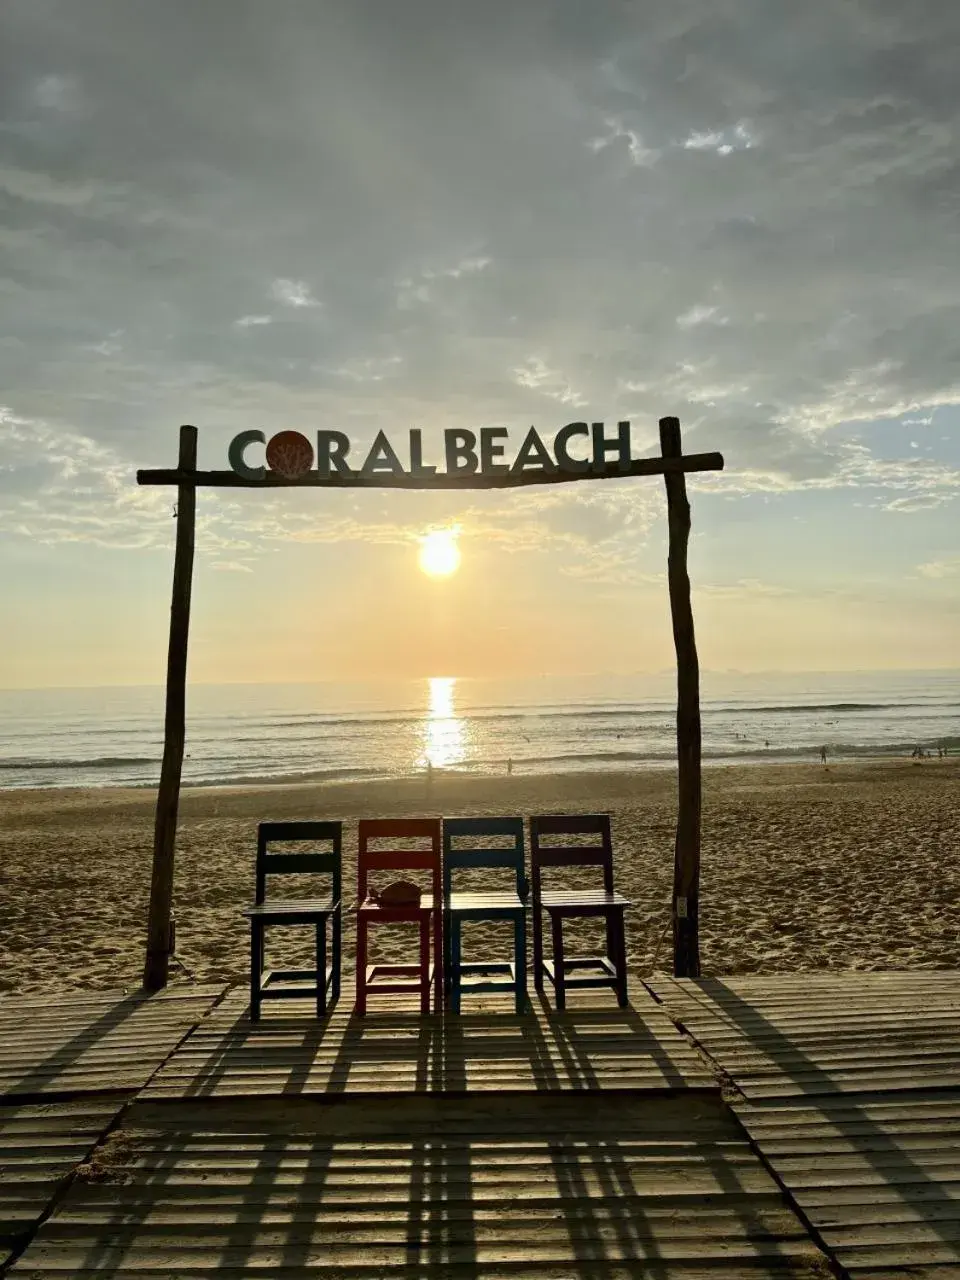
509, 766
823, 755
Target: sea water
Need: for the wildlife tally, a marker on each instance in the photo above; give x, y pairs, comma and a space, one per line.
273, 732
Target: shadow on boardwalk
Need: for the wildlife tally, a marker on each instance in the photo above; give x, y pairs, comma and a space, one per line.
847, 1101
430, 1186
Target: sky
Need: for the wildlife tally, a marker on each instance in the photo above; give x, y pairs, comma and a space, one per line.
365, 216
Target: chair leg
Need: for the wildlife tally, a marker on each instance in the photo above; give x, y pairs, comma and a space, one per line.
337, 947
537, 949
321, 967
453, 974
520, 960
361, 1005
621, 961
425, 965
447, 954
559, 970
256, 968
439, 968
610, 920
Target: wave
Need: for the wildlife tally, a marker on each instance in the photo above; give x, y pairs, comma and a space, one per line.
18, 763
304, 775
632, 712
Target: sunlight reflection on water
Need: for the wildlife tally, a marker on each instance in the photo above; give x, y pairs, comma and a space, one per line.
443, 732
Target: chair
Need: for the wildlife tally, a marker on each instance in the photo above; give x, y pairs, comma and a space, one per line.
490, 905
609, 970
391, 977
280, 984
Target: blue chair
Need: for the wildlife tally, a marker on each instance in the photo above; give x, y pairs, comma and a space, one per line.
509, 904
279, 984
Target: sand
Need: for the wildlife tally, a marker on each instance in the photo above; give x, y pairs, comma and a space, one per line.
852, 866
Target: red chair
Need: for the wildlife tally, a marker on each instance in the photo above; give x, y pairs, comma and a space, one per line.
608, 970
428, 913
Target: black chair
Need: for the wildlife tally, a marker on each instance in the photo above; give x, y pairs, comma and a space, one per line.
286, 984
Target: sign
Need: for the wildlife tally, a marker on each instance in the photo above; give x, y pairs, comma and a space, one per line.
292, 455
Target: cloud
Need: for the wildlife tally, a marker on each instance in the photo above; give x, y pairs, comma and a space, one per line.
618, 132
497, 215
293, 293
722, 141
946, 568
701, 315
230, 566
535, 374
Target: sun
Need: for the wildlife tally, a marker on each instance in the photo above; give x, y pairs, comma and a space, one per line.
439, 553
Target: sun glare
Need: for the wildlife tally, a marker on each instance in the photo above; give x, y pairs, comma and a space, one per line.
439, 553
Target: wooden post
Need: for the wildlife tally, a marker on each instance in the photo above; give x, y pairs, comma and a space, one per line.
159, 926
686, 864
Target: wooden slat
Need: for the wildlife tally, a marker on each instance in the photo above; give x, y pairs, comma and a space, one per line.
484, 1188
878, 1177
589, 1047
78, 1044
815, 1034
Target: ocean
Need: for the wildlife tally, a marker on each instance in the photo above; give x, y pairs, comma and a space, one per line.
314, 732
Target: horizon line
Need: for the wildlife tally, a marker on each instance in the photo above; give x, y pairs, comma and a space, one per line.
666, 672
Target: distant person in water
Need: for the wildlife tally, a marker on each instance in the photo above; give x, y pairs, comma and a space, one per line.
823, 755
509, 766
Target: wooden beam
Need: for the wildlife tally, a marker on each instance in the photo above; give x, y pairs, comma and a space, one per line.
638, 467
686, 858
159, 924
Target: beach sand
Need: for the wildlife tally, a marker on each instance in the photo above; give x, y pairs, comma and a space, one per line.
852, 866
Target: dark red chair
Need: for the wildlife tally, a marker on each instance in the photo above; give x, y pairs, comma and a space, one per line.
594, 850
427, 914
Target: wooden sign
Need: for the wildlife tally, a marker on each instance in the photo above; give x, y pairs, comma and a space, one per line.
463, 460
292, 456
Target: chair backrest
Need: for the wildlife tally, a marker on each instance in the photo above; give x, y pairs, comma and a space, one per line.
478, 854
425, 858
595, 852
323, 860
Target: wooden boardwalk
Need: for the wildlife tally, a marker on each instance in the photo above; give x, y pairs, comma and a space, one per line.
593, 1045
824, 1033
68, 1065
596, 1143
878, 1176
500, 1186
40, 1146
851, 1087
83, 1042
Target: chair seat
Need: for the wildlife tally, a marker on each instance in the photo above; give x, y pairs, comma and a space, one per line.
496, 900
292, 909
583, 898
372, 908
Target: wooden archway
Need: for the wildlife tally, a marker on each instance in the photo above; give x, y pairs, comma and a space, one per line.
672, 464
